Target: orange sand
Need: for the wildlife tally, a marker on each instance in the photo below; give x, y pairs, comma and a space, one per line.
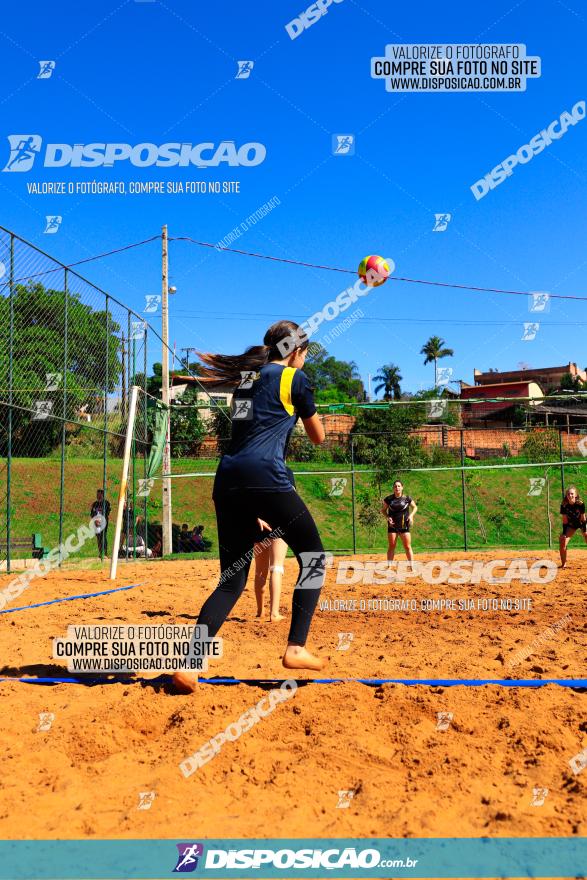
109, 742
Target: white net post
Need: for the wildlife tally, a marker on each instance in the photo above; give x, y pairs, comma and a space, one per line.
124, 479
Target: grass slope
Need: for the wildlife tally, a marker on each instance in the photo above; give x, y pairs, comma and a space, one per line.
500, 512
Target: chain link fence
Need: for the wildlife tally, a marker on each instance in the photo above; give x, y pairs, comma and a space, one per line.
475, 489
69, 354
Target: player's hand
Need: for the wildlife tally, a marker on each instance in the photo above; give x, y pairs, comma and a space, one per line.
265, 527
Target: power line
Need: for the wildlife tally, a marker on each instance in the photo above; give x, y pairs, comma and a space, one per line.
303, 264
119, 250
391, 277
252, 316
260, 256
60, 268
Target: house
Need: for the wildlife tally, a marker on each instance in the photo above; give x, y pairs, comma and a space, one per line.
208, 391
501, 398
549, 378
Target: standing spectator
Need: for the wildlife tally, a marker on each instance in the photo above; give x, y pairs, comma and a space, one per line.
101, 508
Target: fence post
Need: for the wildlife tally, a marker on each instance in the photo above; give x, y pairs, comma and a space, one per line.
353, 494
63, 410
10, 381
127, 385
105, 445
146, 435
548, 509
562, 459
134, 453
463, 490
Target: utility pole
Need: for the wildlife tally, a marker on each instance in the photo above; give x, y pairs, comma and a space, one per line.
167, 519
186, 362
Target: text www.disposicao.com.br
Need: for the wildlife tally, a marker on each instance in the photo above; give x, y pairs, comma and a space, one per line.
130, 664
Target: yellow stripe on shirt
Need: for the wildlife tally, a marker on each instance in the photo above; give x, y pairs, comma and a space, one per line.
285, 389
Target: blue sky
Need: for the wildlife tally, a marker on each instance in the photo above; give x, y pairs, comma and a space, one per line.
155, 72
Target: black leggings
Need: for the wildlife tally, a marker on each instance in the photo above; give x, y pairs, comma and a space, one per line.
238, 531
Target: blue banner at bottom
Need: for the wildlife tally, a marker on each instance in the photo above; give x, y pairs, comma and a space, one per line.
288, 858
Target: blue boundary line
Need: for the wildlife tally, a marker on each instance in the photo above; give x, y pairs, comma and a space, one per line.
70, 598
370, 682
429, 682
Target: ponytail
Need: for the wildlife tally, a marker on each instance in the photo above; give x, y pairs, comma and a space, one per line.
227, 368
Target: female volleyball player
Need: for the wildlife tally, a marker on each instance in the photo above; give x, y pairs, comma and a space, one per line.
251, 482
400, 510
573, 514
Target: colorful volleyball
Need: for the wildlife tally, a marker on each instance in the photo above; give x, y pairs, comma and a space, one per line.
374, 270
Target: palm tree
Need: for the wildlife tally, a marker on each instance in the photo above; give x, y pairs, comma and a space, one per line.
434, 350
388, 379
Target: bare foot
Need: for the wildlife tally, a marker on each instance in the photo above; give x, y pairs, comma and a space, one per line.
259, 613
275, 617
185, 682
296, 657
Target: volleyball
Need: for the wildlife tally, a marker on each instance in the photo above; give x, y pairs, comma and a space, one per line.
373, 270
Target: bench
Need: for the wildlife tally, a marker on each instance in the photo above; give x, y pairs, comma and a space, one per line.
34, 544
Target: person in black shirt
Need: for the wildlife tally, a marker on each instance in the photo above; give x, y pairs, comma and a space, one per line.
399, 510
252, 483
184, 539
573, 514
101, 508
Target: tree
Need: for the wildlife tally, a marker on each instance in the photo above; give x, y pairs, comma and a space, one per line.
570, 383
187, 430
333, 381
542, 446
221, 426
388, 379
451, 414
369, 513
382, 437
154, 382
434, 350
38, 344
